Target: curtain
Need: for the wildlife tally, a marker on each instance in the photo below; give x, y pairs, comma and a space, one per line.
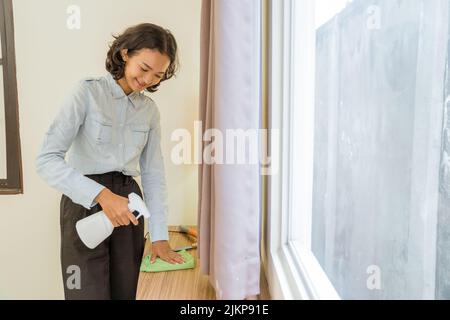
229, 198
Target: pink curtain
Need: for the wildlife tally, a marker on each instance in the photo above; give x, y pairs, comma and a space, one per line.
229, 197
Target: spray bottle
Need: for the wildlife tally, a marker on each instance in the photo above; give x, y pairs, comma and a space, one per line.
96, 228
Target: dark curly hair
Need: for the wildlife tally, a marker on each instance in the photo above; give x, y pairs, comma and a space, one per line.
142, 36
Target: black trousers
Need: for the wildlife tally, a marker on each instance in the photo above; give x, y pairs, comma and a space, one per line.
111, 270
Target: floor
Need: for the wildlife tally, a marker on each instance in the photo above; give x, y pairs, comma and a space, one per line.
181, 284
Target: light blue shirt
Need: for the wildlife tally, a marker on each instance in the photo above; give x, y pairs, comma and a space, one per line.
105, 130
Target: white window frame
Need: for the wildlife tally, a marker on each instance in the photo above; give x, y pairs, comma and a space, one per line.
293, 270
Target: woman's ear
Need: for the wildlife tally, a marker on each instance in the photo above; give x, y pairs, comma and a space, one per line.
124, 53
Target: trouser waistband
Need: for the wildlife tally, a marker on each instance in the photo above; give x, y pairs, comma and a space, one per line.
111, 178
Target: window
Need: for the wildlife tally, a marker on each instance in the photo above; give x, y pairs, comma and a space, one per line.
365, 188
292, 269
10, 156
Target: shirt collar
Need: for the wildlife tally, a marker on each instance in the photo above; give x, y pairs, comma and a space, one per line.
118, 93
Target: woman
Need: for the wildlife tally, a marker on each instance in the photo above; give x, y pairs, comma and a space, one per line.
110, 127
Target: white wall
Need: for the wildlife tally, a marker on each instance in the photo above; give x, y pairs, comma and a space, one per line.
50, 59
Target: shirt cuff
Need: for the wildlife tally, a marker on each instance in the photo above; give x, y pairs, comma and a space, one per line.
90, 190
158, 231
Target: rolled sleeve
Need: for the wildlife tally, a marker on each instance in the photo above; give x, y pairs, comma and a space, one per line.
50, 162
154, 182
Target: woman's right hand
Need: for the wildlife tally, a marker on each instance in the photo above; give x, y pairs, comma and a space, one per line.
116, 208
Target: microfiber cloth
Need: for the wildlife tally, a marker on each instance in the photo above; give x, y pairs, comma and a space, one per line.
161, 265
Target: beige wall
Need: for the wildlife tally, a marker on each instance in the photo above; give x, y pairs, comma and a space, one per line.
50, 59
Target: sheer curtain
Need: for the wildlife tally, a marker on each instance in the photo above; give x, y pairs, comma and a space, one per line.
229, 211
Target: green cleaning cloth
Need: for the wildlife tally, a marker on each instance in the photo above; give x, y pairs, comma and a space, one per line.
161, 265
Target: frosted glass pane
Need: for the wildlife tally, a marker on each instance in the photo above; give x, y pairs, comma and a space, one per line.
328, 9
380, 223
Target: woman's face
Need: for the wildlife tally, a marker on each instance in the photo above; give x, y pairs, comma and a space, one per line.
145, 68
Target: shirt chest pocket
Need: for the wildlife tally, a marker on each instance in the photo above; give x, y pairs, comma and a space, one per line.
100, 131
139, 134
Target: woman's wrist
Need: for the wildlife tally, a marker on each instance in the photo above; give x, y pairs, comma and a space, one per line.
101, 196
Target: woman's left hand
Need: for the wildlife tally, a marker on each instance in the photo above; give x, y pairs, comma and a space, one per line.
162, 249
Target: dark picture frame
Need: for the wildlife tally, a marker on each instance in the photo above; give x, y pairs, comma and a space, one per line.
13, 184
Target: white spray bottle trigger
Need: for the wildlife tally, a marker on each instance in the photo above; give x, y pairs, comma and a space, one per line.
136, 204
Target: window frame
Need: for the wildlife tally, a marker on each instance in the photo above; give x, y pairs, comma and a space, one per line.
294, 272
13, 184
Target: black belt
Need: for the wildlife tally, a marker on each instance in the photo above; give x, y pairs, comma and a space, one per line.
111, 178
